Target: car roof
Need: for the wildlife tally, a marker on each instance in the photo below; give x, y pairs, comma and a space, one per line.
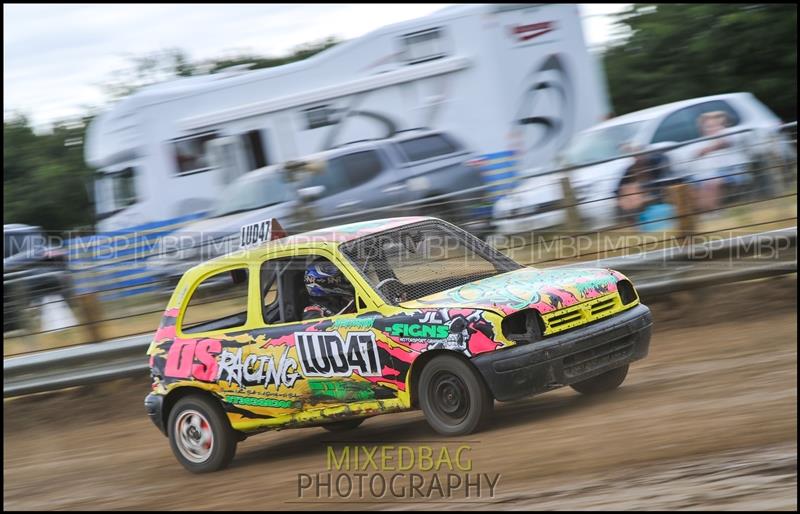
315, 238
658, 110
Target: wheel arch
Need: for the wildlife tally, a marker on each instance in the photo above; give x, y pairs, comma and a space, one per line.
419, 364
175, 395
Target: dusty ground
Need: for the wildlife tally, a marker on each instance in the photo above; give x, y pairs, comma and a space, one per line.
707, 421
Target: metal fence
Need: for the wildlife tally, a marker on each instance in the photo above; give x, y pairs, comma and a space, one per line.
120, 358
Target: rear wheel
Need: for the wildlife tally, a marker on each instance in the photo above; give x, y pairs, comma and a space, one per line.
200, 435
602, 383
453, 396
341, 426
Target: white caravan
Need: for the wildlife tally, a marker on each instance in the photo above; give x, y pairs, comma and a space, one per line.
512, 81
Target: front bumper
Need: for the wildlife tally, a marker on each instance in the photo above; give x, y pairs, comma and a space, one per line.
567, 358
153, 404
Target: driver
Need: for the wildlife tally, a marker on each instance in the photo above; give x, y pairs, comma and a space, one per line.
330, 292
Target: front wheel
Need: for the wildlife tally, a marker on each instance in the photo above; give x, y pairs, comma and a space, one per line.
453, 396
602, 383
200, 435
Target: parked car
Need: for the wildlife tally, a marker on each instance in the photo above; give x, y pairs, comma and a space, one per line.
31, 270
536, 202
353, 182
435, 319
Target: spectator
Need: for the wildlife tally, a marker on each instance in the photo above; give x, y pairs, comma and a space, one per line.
639, 190
720, 164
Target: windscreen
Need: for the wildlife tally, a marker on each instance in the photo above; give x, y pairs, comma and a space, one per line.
252, 193
423, 259
600, 145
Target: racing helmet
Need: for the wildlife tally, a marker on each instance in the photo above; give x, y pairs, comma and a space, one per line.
323, 279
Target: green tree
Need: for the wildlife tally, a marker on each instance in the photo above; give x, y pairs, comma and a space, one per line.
45, 179
677, 51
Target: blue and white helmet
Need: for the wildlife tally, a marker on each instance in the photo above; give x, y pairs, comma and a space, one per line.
324, 279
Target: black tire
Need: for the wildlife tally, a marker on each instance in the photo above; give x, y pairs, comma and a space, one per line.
453, 396
223, 438
344, 425
602, 383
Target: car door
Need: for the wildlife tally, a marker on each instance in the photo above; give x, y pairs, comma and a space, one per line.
334, 360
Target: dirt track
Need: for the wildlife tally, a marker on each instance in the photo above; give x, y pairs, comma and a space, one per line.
708, 420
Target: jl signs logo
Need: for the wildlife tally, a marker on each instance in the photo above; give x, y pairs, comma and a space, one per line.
325, 354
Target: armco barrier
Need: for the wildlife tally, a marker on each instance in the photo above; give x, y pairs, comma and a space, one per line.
87, 364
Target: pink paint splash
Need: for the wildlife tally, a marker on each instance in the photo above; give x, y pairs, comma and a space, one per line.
287, 340
165, 333
479, 343
460, 312
400, 385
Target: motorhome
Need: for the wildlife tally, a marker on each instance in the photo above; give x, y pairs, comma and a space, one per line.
513, 81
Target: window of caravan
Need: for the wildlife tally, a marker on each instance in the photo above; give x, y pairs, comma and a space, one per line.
427, 147
115, 190
320, 116
423, 46
191, 153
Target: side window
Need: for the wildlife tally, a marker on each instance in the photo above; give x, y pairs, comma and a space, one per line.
256, 152
361, 167
426, 147
328, 291
207, 312
332, 178
285, 294
269, 287
422, 46
124, 187
717, 105
677, 127
191, 155
320, 116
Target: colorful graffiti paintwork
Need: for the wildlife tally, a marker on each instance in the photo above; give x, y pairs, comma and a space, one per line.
527, 288
313, 371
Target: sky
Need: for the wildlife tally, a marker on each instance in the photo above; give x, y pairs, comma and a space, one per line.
56, 56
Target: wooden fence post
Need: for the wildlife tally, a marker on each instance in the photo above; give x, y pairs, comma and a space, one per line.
682, 197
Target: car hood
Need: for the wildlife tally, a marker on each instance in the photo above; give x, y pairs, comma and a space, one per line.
545, 290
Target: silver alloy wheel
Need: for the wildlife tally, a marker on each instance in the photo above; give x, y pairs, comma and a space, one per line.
195, 439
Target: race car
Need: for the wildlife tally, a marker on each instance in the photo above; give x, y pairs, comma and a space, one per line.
437, 320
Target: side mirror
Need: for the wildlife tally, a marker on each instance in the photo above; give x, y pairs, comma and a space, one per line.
311, 193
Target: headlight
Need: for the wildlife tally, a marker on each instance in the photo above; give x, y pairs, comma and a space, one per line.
525, 326
626, 292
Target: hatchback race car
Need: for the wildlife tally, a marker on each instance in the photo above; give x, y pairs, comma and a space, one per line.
439, 320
